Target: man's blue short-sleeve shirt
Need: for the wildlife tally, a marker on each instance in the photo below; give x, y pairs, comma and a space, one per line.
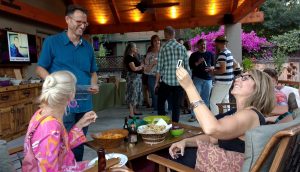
59, 53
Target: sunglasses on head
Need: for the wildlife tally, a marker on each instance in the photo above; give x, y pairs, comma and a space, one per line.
244, 77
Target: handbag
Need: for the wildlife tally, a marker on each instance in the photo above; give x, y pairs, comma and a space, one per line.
30, 162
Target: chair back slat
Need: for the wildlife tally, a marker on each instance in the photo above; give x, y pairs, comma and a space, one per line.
224, 107
292, 161
280, 154
286, 139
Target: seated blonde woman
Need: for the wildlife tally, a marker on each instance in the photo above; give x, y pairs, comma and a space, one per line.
222, 146
47, 144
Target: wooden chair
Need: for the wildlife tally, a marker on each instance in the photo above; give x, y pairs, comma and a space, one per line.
287, 156
295, 84
224, 107
288, 141
18, 151
15, 150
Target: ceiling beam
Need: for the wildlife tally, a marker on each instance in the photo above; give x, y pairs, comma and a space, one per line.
30, 12
158, 25
244, 9
253, 17
154, 18
68, 2
234, 5
112, 6
193, 8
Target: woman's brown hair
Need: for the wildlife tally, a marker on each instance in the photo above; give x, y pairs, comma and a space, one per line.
263, 97
153, 37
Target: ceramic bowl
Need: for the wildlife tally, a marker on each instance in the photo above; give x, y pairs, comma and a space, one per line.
176, 131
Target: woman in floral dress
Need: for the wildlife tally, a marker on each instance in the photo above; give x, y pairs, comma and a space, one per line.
47, 143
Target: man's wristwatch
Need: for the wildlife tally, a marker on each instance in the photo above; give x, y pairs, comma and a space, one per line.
196, 103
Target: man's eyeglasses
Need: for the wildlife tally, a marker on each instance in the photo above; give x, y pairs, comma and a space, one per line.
244, 77
80, 22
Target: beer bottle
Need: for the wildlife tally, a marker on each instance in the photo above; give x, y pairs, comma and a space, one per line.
133, 137
101, 160
125, 126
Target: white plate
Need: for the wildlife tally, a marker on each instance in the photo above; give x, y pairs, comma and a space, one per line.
123, 159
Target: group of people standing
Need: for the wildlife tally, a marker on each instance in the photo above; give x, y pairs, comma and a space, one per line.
57, 130
160, 63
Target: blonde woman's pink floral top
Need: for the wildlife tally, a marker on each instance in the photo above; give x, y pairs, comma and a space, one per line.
49, 148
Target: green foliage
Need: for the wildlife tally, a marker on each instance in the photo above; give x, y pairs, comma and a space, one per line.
280, 16
102, 39
102, 51
288, 42
191, 33
279, 58
247, 64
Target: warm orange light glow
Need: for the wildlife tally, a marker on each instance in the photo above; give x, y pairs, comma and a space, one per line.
174, 13
212, 8
241, 2
102, 19
136, 15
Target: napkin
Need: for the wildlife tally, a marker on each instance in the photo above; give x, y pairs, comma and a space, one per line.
163, 122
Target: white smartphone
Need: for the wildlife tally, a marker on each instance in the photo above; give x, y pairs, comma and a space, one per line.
179, 63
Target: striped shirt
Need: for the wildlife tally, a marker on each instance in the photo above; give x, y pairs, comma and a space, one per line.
168, 57
227, 77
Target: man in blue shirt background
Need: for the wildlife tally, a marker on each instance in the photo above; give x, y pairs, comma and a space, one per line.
69, 51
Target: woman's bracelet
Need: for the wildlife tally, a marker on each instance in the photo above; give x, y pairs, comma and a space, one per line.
196, 103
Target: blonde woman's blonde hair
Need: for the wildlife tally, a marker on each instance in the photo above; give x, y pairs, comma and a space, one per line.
263, 97
58, 89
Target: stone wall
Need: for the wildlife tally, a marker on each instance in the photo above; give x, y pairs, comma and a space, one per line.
286, 73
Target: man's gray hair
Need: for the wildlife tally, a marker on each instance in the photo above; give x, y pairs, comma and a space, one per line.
170, 30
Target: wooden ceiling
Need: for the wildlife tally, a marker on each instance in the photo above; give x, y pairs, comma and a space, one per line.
119, 16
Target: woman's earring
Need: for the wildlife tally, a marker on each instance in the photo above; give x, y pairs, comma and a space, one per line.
73, 103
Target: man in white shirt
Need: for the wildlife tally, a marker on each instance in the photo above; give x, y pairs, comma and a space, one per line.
287, 90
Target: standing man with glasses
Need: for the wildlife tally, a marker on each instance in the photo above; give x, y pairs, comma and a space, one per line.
69, 51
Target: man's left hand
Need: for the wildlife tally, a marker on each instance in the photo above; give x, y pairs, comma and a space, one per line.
209, 69
94, 89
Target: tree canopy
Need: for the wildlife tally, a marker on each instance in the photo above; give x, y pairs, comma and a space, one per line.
280, 16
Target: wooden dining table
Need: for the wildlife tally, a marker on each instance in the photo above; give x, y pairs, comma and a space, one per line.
142, 149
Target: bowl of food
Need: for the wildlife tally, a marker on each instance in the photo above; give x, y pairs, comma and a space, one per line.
16, 81
176, 131
35, 81
110, 138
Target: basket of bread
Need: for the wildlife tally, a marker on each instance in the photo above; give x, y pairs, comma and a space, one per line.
154, 133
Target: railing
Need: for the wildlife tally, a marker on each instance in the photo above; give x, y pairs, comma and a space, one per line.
295, 84
110, 63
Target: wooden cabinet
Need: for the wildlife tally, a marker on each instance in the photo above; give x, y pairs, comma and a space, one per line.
17, 105
6, 121
8, 96
26, 93
28, 111
20, 118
